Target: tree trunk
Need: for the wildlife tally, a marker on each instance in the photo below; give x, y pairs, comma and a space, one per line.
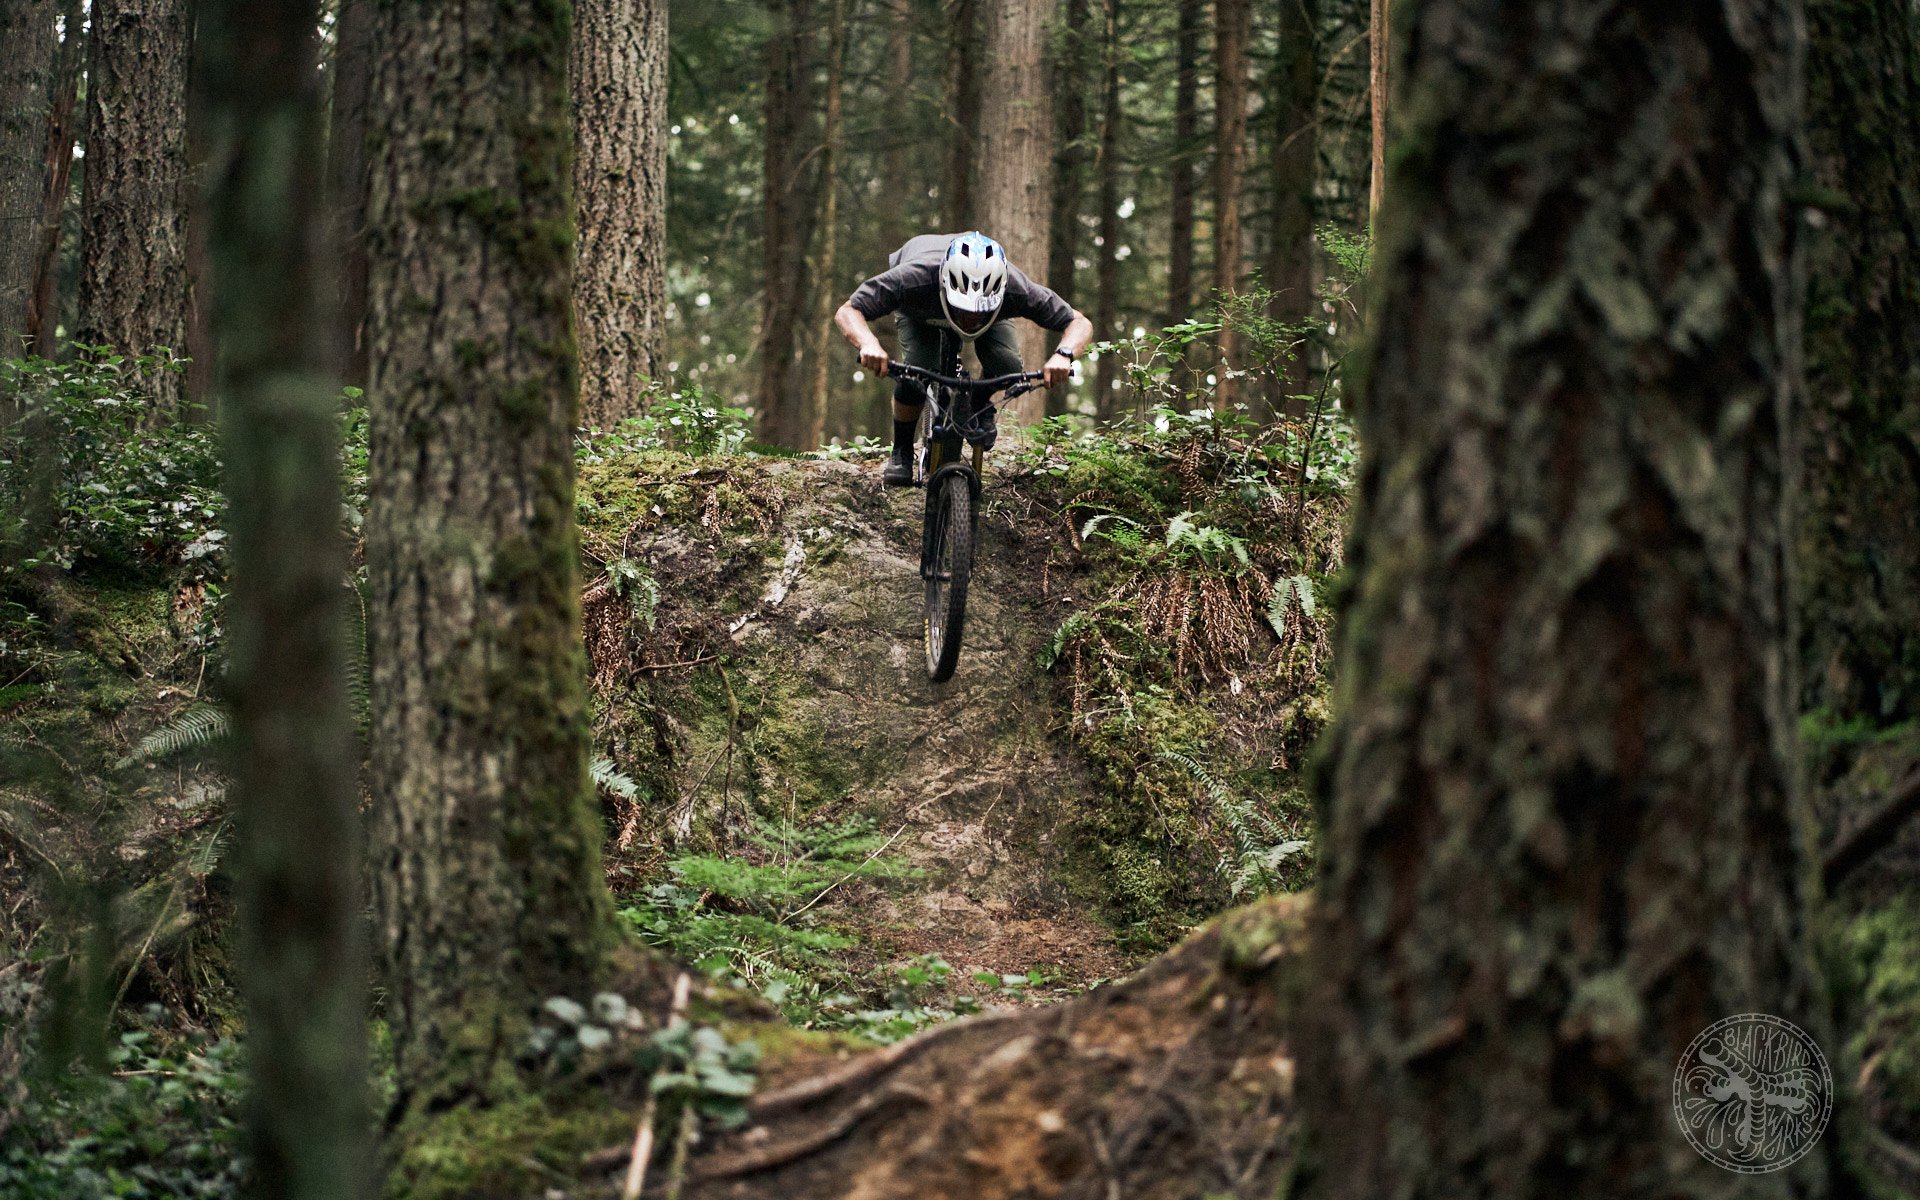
1563, 834
896, 165
295, 792
353, 52
133, 263
1107, 304
620, 189
1379, 52
487, 891
959, 198
26, 99
1186, 143
43, 305
785, 216
1294, 99
1859, 540
826, 267
1232, 28
1016, 156
900, 174
1069, 82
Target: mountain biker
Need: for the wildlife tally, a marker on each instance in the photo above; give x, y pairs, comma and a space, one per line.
964, 283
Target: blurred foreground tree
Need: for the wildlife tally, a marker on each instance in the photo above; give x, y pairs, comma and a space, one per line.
486, 882
1859, 542
1562, 828
303, 967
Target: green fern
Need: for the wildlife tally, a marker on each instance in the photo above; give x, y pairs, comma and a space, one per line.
1261, 844
607, 777
194, 727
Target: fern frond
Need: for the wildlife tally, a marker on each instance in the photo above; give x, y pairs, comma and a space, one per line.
610, 778
192, 728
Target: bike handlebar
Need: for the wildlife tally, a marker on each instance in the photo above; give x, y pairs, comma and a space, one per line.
900, 370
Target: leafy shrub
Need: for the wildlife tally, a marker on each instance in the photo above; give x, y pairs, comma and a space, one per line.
687, 420
164, 1121
85, 482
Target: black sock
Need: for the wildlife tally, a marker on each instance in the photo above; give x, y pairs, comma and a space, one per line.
903, 437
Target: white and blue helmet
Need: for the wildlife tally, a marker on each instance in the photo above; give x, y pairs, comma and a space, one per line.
973, 283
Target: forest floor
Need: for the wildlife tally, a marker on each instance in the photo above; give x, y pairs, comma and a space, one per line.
840, 849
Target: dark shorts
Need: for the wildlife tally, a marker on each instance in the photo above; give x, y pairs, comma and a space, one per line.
998, 348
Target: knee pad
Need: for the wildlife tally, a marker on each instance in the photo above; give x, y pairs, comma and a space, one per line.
909, 392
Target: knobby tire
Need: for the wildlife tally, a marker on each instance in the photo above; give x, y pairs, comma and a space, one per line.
950, 511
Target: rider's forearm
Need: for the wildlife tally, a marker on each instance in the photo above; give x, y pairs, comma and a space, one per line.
853, 326
1078, 335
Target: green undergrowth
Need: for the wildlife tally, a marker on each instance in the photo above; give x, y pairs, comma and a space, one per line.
1191, 666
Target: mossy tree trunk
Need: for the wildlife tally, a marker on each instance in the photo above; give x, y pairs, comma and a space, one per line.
133, 261
960, 111
1232, 29
1859, 548
826, 266
304, 972
1562, 831
1293, 168
1071, 78
26, 97
1106, 396
43, 305
1186, 144
486, 877
620, 180
786, 214
347, 180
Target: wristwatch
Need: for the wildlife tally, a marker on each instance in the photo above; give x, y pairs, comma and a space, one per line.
1065, 353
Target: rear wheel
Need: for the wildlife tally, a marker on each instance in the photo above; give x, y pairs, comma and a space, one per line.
948, 569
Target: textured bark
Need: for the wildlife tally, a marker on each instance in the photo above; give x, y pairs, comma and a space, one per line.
1016, 155
1379, 53
486, 841
133, 262
43, 307
1232, 28
620, 182
295, 791
826, 289
1107, 303
26, 99
1859, 539
1186, 143
895, 161
347, 181
1071, 79
959, 199
786, 212
1562, 832
1292, 168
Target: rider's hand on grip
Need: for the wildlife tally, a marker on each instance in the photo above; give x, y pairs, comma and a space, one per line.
874, 358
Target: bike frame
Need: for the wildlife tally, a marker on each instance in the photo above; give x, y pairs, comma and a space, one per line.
959, 412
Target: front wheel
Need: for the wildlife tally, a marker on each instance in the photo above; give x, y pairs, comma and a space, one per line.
949, 565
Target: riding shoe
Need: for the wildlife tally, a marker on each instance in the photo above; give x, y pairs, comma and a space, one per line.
898, 472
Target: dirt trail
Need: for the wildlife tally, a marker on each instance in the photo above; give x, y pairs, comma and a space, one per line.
807, 592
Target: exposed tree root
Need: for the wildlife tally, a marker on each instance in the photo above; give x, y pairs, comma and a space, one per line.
1174, 1083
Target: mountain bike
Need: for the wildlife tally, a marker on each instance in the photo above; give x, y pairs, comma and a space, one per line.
959, 411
